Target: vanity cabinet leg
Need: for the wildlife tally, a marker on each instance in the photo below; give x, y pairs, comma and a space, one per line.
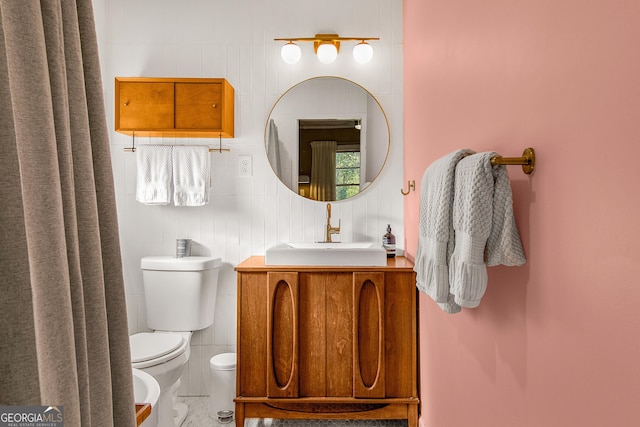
413, 416
239, 415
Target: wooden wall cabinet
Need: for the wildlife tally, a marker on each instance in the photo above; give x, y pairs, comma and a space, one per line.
174, 107
327, 342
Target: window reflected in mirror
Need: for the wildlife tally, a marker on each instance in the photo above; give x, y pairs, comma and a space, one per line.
347, 173
340, 169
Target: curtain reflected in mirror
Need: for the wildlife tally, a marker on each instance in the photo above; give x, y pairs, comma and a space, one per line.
323, 170
327, 110
273, 147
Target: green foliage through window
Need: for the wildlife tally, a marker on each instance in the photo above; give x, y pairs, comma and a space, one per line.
347, 174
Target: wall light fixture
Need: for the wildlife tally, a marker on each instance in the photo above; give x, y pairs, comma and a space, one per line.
326, 47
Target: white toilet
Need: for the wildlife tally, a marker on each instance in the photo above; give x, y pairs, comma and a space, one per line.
180, 297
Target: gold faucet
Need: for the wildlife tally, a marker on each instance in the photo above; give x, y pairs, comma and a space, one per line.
331, 230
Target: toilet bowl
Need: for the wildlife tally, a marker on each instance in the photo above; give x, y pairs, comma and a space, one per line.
180, 295
146, 391
164, 356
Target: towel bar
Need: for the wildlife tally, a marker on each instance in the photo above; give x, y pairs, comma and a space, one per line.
211, 150
132, 149
528, 160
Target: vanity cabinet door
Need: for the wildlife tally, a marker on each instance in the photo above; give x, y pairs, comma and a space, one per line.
282, 335
326, 343
144, 106
369, 335
400, 335
252, 335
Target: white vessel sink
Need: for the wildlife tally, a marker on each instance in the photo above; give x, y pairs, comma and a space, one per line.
327, 254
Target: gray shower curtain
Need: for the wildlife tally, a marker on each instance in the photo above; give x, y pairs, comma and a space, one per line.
63, 325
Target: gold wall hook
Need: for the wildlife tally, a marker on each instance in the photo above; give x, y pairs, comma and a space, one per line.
412, 186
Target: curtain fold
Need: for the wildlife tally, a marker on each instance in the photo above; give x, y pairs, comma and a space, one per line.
64, 336
323, 170
273, 148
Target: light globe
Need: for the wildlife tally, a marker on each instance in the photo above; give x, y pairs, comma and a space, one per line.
363, 52
291, 53
327, 53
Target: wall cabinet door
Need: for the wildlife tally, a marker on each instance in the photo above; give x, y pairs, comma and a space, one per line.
199, 105
145, 106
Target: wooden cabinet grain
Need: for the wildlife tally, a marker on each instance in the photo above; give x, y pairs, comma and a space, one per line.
327, 342
177, 107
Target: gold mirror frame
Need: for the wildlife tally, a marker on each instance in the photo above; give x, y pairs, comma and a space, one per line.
374, 120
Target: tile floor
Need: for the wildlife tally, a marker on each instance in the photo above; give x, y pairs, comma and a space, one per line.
199, 417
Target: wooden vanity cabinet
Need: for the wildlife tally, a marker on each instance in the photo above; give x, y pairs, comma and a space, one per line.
327, 342
176, 107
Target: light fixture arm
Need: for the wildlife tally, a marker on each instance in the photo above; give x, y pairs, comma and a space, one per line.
319, 38
333, 39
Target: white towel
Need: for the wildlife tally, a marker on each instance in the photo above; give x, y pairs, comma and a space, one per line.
484, 227
191, 175
154, 174
436, 239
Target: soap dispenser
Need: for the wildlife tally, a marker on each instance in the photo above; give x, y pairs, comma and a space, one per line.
389, 242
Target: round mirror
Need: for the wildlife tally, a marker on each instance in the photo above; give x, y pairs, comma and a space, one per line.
327, 138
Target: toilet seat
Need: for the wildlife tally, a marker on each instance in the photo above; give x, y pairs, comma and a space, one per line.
153, 348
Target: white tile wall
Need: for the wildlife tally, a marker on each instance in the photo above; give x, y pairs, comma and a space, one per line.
234, 40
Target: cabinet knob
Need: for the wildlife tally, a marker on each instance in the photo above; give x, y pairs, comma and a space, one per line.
215, 105
126, 104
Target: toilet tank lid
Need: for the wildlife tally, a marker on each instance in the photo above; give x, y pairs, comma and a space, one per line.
189, 263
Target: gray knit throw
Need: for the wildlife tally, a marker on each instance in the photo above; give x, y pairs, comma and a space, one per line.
436, 239
482, 220
466, 212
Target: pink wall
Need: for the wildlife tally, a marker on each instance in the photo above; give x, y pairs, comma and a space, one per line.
556, 342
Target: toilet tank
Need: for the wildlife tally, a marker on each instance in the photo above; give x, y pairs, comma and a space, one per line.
180, 293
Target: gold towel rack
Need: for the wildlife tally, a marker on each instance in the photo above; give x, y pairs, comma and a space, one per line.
528, 160
132, 149
211, 150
